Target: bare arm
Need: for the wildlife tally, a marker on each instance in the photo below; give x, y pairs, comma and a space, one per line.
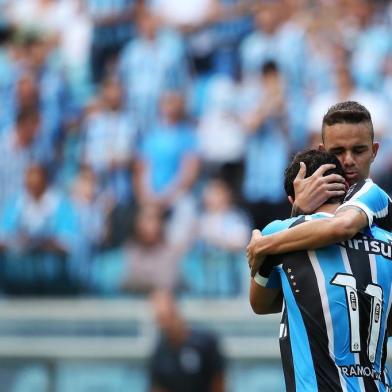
265, 300
254, 120
143, 192
309, 235
274, 107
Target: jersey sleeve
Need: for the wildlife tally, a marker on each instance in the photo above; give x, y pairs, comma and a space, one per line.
278, 225
272, 281
268, 274
373, 201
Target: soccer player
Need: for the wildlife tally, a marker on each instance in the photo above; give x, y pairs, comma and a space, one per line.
347, 132
337, 300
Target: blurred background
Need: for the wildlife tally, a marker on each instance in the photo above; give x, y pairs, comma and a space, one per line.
140, 142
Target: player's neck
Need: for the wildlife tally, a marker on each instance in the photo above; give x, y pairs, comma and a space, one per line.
328, 208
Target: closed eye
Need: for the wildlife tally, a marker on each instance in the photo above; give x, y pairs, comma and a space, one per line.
359, 150
337, 151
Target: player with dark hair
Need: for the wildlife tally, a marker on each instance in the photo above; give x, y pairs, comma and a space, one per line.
348, 112
337, 300
314, 160
348, 134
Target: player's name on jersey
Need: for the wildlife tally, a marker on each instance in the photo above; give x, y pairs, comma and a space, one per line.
369, 245
360, 371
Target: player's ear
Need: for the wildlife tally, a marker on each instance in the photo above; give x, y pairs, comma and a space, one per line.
375, 148
291, 199
321, 147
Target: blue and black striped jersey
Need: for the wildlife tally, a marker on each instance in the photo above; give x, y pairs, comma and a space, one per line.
374, 201
337, 301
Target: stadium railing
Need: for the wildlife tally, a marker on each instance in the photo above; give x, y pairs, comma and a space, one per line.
105, 343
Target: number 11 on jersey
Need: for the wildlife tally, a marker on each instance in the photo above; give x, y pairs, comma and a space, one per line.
375, 292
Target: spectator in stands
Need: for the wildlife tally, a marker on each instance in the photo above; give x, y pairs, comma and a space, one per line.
37, 229
133, 267
112, 28
279, 36
345, 90
213, 47
371, 44
215, 267
18, 148
25, 95
27, 91
8, 71
119, 223
275, 38
36, 61
109, 142
221, 135
150, 64
39, 217
233, 23
53, 19
222, 225
212, 29
66, 28
321, 36
194, 19
33, 83
266, 122
73, 52
46, 16
28, 94
91, 214
167, 162
184, 359
150, 251
72, 125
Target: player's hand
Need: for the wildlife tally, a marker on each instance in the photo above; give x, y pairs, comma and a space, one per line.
255, 259
313, 191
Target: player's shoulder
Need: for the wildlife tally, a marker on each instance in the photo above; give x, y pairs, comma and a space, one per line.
362, 187
280, 225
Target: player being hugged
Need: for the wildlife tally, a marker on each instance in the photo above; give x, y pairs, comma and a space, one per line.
337, 299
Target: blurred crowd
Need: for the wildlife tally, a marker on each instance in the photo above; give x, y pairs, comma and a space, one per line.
140, 141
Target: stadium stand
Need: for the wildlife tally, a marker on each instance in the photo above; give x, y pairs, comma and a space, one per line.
136, 109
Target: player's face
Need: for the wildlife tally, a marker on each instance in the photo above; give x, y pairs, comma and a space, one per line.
353, 146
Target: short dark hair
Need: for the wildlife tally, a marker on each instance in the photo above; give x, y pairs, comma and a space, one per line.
269, 67
313, 159
349, 112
